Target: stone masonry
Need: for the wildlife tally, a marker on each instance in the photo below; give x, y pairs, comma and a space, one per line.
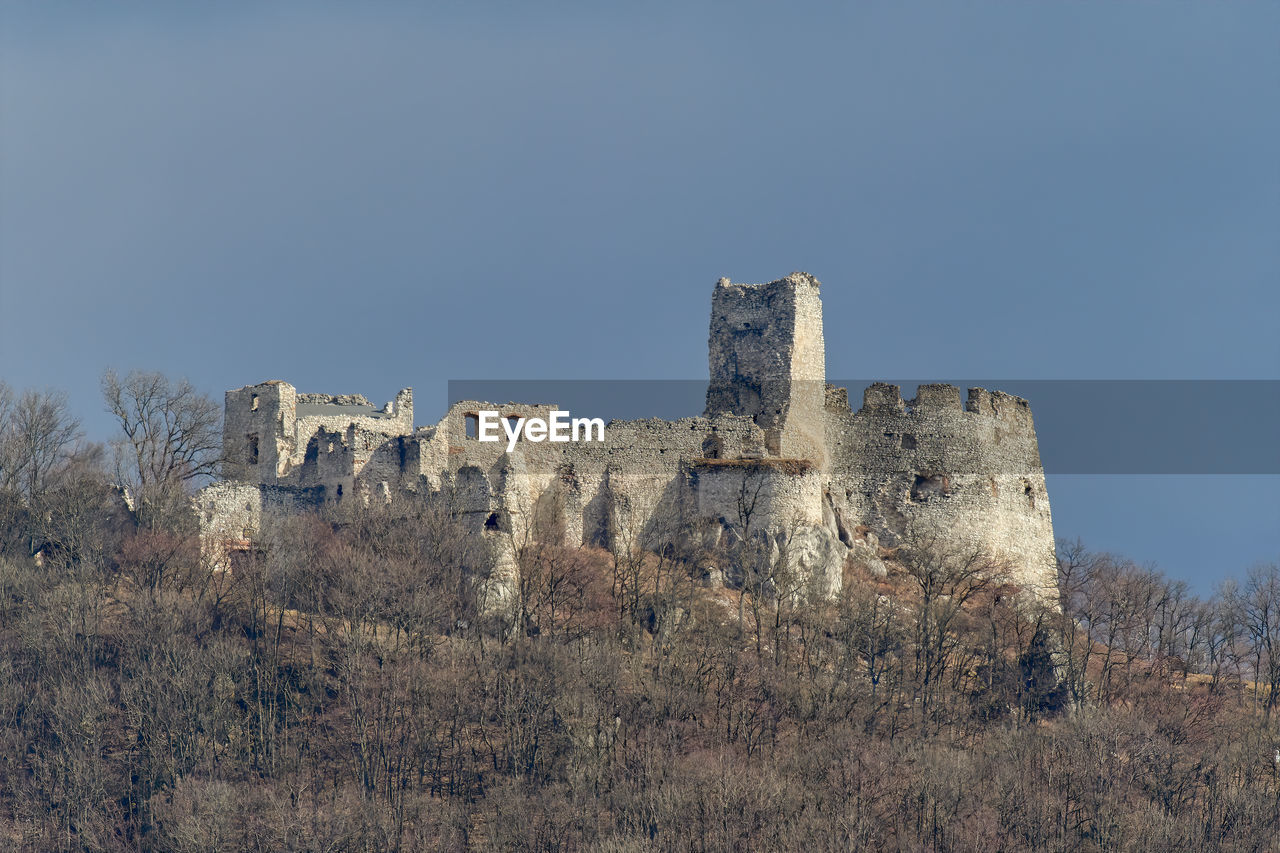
778, 455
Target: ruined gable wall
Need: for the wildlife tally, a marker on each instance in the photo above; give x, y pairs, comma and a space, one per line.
970, 474
369, 430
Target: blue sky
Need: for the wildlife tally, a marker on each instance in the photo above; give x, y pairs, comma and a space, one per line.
358, 197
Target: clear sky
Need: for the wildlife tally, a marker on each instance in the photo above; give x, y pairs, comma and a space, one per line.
358, 197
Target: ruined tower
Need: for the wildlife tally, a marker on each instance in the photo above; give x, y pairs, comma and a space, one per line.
768, 361
258, 432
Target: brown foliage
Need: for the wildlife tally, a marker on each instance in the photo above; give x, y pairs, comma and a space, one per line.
339, 690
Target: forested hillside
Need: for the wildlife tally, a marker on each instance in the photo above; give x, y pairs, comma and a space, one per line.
352, 685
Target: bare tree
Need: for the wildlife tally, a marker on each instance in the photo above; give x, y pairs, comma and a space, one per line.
7, 446
38, 437
172, 439
946, 576
1076, 569
1259, 606
40, 452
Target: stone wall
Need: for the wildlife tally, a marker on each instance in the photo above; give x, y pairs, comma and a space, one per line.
233, 515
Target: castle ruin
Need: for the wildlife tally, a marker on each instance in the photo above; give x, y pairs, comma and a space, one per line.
778, 455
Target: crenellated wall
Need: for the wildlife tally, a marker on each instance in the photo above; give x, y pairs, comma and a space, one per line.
971, 472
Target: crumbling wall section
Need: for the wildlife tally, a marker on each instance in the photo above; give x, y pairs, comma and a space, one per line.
364, 426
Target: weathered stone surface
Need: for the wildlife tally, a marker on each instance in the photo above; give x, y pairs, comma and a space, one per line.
778, 458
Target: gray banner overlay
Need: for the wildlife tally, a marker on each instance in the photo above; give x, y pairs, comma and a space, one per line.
1084, 426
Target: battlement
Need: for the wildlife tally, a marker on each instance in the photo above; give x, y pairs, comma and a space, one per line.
882, 397
936, 398
836, 399
999, 404
931, 399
